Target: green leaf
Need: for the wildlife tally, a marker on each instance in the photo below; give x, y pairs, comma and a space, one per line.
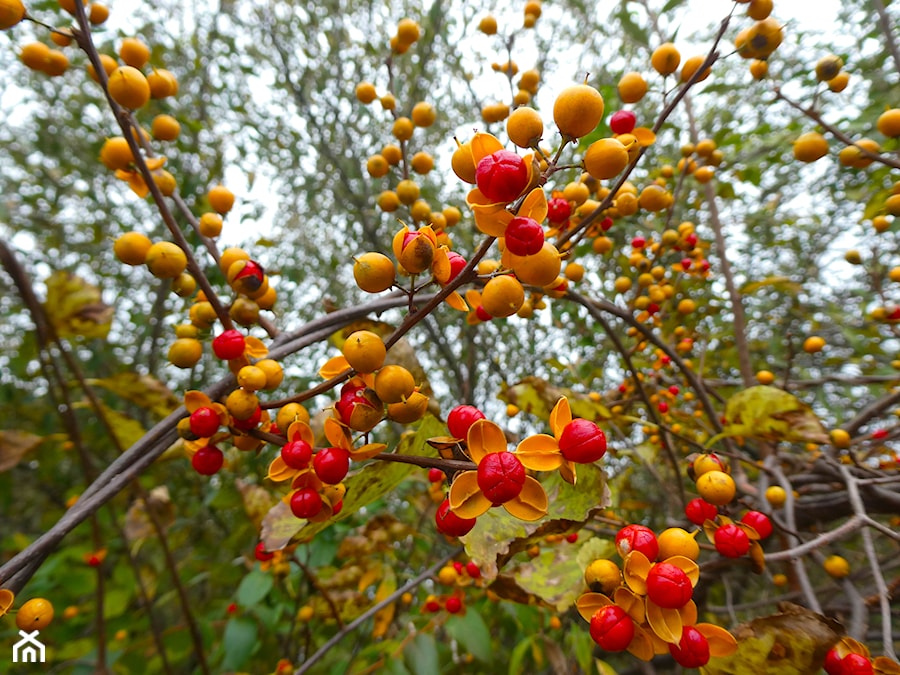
497, 536
780, 283
253, 588
517, 660
472, 633
631, 29
670, 5
771, 414
421, 655
373, 481
240, 641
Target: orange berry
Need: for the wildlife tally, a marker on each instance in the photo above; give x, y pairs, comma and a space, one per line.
162, 83
11, 13
373, 272
165, 128
128, 87
109, 65
34, 55
690, 67
665, 59
394, 384
69, 5
813, 344
132, 247
502, 296
810, 146
402, 129
364, 351
165, 260
36, 614
210, 224
221, 199
98, 13
836, 566
185, 352
716, 487
116, 154
377, 166
632, 87
488, 25
605, 158
392, 153
388, 201
462, 162
410, 410
365, 92
525, 127
889, 123
408, 31
423, 114
577, 110
134, 52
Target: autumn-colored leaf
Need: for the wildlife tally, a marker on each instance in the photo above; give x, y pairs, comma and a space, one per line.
75, 307
145, 391
771, 414
138, 523
384, 616
14, 445
538, 397
792, 642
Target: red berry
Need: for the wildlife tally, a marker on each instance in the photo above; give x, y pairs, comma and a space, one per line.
435, 475
461, 418
759, 522
558, 210
622, 122
878, 434
262, 554
250, 422
482, 314
473, 570
674, 390
296, 454
663, 407
207, 460
692, 651
572, 538
637, 538
204, 422
457, 264
232, 608
638, 242
856, 664
306, 503
501, 477
612, 628
338, 507
582, 441
731, 541
698, 511
451, 524
668, 586
331, 465
686, 264
606, 224
228, 345
832, 663
250, 278
690, 241
458, 566
501, 176
432, 606
524, 236
453, 604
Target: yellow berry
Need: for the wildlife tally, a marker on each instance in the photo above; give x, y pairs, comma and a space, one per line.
128, 87
837, 566
776, 496
132, 247
364, 351
716, 487
165, 260
577, 110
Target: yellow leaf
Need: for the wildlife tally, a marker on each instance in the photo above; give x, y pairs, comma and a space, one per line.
369, 577
75, 307
7, 597
384, 616
142, 390
14, 445
771, 414
792, 642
